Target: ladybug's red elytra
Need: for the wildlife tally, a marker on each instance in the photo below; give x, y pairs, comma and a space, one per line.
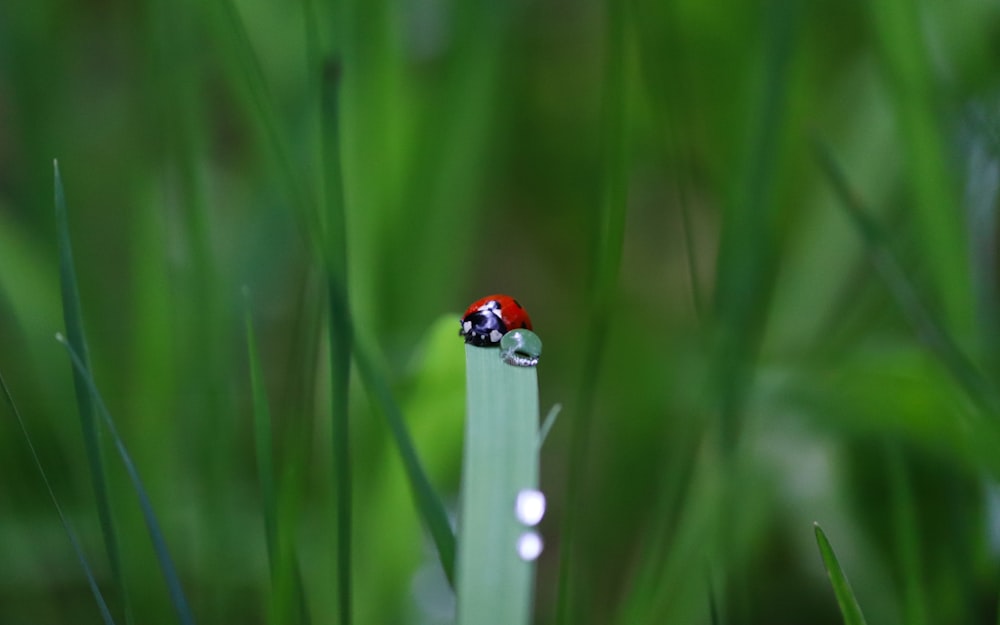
486, 320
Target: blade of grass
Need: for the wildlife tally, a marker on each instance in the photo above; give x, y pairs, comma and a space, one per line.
929, 330
849, 607
284, 567
902, 37
609, 244
500, 460
262, 104
87, 571
339, 323
550, 420
746, 268
428, 503
177, 596
713, 606
73, 318
907, 537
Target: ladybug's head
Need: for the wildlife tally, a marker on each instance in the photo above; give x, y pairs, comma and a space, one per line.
484, 326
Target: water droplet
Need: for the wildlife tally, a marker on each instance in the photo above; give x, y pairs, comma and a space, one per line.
530, 506
529, 546
521, 348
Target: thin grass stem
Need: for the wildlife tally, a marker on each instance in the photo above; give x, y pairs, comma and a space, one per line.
77, 548
176, 591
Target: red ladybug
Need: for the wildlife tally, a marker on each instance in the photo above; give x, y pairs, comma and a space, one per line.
486, 320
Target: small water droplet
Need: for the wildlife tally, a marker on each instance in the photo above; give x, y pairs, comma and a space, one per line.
530, 506
529, 546
520, 348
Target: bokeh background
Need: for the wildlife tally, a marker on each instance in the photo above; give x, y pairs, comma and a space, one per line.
736, 357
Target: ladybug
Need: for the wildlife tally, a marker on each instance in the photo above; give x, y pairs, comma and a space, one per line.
486, 320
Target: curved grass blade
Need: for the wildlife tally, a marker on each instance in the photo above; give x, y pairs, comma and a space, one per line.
927, 327
428, 503
87, 571
73, 318
155, 533
849, 607
899, 30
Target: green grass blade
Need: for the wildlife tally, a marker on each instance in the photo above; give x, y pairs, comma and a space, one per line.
77, 548
263, 440
849, 607
903, 38
610, 237
550, 420
284, 566
262, 103
500, 460
429, 505
339, 328
928, 328
177, 597
906, 536
73, 318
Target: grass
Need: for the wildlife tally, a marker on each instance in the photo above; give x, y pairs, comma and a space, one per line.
750, 329
494, 583
841, 587
72, 316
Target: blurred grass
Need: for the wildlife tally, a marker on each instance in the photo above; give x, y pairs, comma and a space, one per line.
474, 161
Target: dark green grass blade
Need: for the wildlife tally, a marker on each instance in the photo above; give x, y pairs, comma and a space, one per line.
608, 246
73, 318
428, 503
339, 330
262, 103
713, 605
94, 588
906, 535
285, 572
262, 440
849, 607
155, 533
930, 331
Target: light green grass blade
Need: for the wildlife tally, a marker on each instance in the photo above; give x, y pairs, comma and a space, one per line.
87, 571
73, 318
849, 607
550, 420
177, 597
428, 503
500, 460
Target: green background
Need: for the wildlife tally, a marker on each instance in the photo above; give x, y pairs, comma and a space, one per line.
643, 176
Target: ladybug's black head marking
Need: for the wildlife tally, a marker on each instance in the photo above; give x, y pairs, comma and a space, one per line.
484, 327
